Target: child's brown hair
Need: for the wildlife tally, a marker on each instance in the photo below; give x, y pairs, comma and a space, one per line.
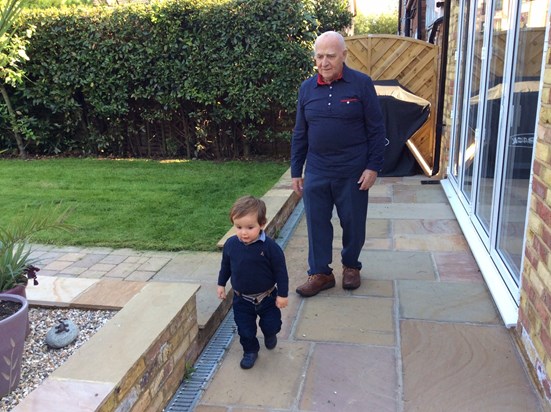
246, 205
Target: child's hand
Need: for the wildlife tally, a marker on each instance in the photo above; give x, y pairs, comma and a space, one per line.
281, 303
221, 292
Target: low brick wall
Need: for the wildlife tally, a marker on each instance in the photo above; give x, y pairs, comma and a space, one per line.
135, 362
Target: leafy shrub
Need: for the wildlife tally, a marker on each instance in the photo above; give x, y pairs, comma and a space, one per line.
386, 23
44, 4
190, 78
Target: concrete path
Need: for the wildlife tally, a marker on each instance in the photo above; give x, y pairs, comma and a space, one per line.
420, 334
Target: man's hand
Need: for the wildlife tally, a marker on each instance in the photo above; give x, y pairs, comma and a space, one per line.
367, 179
298, 184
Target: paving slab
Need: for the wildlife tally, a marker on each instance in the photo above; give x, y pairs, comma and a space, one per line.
370, 287
459, 367
366, 320
207, 408
363, 379
410, 211
60, 395
57, 291
191, 266
457, 266
451, 302
273, 383
415, 194
434, 242
392, 265
426, 227
108, 294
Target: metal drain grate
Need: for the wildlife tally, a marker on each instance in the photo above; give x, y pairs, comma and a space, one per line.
190, 390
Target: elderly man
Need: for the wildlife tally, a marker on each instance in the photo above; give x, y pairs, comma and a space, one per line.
340, 134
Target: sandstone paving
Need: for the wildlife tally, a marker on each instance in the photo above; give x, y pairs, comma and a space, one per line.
370, 287
273, 383
191, 266
457, 367
446, 301
111, 293
61, 395
367, 320
55, 291
426, 227
391, 265
423, 194
457, 266
410, 211
352, 378
435, 242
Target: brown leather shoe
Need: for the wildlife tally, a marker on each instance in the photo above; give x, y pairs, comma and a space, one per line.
350, 278
315, 284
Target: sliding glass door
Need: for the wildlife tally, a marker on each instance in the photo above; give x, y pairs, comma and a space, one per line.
520, 132
499, 68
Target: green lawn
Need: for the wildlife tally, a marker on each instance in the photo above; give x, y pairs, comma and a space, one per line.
139, 204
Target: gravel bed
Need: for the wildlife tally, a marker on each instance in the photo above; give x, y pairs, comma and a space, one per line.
38, 359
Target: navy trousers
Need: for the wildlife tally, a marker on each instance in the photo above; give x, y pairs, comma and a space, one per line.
321, 195
245, 314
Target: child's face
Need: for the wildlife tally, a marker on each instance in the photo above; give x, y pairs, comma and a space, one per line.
247, 228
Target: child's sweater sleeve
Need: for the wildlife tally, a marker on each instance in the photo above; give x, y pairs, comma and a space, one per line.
280, 271
225, 267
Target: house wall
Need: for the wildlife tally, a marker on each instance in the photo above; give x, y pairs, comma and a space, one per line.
449, 86
417, 22
534, 325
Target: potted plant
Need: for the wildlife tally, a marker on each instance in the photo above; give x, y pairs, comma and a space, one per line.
14, 320
16, 269
17, 266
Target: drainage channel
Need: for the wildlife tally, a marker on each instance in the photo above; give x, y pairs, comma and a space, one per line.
190, 391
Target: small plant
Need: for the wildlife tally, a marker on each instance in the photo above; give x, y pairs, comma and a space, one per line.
189, 371
16, 265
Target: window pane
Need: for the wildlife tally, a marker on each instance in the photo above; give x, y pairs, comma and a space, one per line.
520, 140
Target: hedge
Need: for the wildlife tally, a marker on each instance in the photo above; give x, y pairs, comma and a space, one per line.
189, 78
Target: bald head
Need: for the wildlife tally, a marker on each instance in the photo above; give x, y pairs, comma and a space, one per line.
332, 37
330, 54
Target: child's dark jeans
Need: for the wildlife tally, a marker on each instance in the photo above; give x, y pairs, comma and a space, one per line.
245, 314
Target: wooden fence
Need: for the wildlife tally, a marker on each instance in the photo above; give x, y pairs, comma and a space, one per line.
414, 64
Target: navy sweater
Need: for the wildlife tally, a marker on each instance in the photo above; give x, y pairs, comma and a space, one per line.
254, 268
339, 130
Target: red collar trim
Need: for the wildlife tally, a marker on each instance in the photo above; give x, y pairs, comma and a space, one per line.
322, 82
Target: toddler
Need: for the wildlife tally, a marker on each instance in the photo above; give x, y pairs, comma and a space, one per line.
255, 263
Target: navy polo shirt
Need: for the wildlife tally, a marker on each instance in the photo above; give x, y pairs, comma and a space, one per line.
254, 267
339, 130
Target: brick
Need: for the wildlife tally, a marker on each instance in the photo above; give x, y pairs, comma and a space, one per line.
541, 250
545, 95
546, 236
537, 167
543, 211
534, 225
530, 258
539, 188
542, 309
545, 340
545, 114
525, 323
